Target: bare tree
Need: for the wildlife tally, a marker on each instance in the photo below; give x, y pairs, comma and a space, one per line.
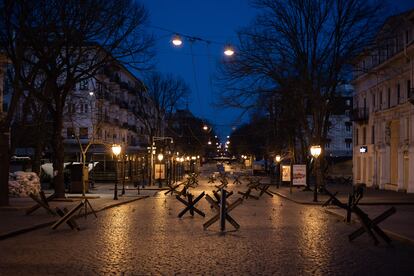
303, 49
167, 93
65, 42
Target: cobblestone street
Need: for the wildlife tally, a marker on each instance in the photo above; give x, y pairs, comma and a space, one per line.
277, 237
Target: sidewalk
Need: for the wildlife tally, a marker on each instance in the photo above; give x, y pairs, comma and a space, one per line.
398, 226
14, 221
371, 196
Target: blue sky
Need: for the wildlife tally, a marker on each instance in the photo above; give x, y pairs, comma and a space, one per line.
216, 20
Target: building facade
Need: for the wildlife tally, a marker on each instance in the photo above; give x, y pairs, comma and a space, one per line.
339, 138
383, 114
111, 107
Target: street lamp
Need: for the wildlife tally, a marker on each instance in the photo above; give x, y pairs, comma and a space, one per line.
160, 157
176, 40
277, 159
116, 150
153, 140
316, 150
228, 51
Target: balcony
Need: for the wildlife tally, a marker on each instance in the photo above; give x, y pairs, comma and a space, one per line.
360, 115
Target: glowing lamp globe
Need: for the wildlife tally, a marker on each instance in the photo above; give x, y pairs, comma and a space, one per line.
177, 41
316, 151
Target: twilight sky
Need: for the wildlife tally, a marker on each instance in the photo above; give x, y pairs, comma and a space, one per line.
215, 20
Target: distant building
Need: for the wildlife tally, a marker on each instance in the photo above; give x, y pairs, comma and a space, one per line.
383, 112
339, 139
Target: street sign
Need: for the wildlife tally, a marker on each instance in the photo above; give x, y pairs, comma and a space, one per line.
286, 173
299, 175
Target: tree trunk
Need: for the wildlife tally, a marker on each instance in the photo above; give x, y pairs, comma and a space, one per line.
59, 155
36, 158
4, 168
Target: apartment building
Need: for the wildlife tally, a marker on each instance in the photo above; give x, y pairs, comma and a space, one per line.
113, 107
383, 114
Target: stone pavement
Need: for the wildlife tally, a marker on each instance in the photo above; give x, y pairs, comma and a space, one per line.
14, 220
277, 237
400, 225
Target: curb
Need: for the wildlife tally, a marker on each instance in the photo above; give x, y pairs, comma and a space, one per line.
361, 203
390, 233
296, 201
45, 224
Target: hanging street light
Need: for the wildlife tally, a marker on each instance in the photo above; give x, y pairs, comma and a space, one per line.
228, 51
176, 40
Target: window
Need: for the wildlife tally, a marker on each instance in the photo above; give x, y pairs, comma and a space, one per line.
373, 100
408, 88
348, 143
348, 126
72, 108
407, 37
373, 134
356, 136
70, 133
380, 103
365, 106
389, 97
83, 85
348, 102
364, 135
83, 132
398, 93
328, 143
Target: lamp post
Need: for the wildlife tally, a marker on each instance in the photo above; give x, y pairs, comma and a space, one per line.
277, 159
160, 157
153, 140
123, 175
315, 152
116, 150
